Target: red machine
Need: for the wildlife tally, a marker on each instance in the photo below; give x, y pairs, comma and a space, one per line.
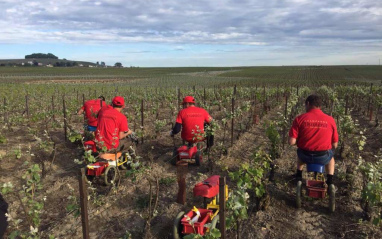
316, 186
191, 153
107, 165
194, 222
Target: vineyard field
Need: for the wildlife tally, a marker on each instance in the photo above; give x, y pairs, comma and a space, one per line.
41, 151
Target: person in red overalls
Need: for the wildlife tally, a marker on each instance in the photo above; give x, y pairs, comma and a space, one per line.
191, 120
112, 125
316, 136
91, 109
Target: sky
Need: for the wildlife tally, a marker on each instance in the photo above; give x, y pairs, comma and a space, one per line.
153, 33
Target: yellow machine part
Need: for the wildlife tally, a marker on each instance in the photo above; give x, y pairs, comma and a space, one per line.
214, 206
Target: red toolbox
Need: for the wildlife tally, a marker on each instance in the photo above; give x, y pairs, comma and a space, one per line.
209, 188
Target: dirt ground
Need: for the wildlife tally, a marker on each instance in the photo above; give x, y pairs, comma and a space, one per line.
118, 212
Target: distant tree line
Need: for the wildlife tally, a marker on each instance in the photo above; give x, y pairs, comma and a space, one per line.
65, 64
41, 55
35, 63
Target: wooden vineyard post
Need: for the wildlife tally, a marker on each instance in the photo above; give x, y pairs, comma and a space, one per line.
53, 116
286, 105
84, 204
256, 118
204, 97
78, 101
142, 120
346, 104
232, 120
371, 112
65, 122
370, 95
83, 99
277, 93
5, 111
376, 115
181, 172
95, 93
178, 103
285, 115
26, 105
222, 206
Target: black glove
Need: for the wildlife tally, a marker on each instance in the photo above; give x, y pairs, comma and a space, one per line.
210, 141
134, 138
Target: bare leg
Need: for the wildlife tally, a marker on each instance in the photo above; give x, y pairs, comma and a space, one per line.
300, 164
330, 167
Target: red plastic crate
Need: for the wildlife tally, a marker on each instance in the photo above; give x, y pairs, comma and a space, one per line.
198, 227
316, 189
99, 168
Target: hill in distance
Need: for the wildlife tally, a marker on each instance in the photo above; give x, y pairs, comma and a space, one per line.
44, 62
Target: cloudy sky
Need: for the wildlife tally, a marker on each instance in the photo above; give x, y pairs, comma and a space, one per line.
196, 32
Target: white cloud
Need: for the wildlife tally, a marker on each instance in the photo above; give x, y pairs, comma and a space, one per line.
325, 24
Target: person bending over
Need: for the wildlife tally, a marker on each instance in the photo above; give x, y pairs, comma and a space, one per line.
112, 126
91, 109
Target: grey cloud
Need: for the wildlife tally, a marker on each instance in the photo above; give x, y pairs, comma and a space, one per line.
272, 22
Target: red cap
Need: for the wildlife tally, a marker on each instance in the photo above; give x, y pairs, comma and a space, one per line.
118, 101
188, 99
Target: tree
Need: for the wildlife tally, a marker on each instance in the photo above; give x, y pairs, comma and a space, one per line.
103, 64
41, 55
118, 64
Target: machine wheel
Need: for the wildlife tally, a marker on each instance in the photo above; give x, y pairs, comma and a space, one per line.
214, 222
332, 198
110, 175
90, 178
197, 157
298, 194
177, 227
174, 156
124, 165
